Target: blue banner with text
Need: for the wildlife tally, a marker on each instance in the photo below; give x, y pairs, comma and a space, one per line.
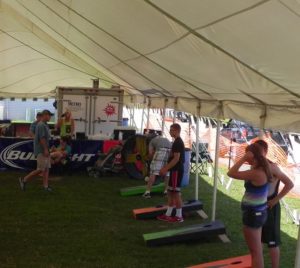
18, 153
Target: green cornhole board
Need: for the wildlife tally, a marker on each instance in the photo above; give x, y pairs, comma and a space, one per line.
187, 233
137, 190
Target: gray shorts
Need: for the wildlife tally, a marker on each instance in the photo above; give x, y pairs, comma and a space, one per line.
43, 163
160, 159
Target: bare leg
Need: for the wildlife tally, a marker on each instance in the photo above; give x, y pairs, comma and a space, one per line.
168, 214
45, 178
150, 182
253, 240
275, 256
56, 161
166, 180
178, 200
171, 202
31, 175
56, 157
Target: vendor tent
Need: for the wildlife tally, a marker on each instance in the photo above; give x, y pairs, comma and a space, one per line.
232, 59
225, 59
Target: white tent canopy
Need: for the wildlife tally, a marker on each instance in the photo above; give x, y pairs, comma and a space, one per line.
227, 59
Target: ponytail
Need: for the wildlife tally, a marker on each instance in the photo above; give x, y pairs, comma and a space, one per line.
261, 160
264, 163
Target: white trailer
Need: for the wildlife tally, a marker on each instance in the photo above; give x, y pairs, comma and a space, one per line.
95, 110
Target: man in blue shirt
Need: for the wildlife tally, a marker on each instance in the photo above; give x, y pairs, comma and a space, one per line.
41, 151
34, 124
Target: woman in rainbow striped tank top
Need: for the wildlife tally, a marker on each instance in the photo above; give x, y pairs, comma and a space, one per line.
254, 202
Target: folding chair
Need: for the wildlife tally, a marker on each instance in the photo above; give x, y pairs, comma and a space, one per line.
203, 159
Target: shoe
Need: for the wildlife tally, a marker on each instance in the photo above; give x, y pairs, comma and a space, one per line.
48, 189
22, 183
146, 195
177, 219
164, 217
165, 193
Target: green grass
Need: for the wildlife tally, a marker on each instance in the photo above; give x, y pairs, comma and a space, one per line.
86, 223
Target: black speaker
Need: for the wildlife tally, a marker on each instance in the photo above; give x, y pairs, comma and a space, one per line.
80, 136
123, 134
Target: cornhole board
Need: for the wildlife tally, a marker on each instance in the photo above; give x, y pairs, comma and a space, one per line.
187, 233
236, 262
153, 212
137, 190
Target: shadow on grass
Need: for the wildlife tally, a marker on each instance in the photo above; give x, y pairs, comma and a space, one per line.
86, 223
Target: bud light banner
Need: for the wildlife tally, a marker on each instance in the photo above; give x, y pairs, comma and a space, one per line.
18, 153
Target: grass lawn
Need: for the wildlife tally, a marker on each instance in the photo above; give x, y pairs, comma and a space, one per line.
86, 223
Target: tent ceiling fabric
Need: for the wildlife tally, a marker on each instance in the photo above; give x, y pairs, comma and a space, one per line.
233, 59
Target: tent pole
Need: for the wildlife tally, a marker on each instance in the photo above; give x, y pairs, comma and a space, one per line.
174, 116
297, 260
197, 161
174, 110
163, 122
148, 117
142, 121
133, 117
163, 118
143, 115
130, 116
216, 171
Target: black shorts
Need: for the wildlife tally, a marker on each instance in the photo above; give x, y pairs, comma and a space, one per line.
175, 180
271, 229
254, 219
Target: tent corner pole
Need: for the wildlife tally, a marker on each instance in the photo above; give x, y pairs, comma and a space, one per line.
297, 259
216, 168
197, 161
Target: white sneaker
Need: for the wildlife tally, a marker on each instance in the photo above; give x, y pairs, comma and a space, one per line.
48, 189
146, 195
22, 183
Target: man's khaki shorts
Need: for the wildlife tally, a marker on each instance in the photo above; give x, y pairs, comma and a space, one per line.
43, 163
